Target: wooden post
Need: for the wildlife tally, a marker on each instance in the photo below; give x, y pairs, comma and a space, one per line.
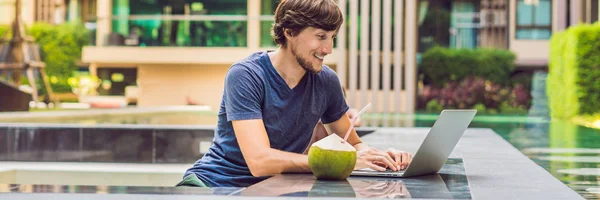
49, 91
31, 78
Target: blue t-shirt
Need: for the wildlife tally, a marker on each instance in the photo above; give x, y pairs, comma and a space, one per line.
254, 90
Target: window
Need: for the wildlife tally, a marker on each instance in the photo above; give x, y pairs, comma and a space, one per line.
534, 19
267, 11
210, 23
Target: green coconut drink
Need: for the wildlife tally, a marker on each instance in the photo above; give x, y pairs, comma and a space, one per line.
331, 158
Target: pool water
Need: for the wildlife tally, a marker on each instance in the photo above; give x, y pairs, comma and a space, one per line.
569, 152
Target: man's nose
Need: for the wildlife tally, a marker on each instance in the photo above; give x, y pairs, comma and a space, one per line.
328, 48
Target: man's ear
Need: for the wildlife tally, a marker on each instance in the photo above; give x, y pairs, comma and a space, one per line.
287, 33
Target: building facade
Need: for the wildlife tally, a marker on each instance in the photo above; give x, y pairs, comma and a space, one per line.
177, 52
49, 11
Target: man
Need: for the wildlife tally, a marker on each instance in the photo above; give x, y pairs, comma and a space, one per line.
273, 101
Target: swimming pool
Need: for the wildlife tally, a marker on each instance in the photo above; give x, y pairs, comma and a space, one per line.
569, 152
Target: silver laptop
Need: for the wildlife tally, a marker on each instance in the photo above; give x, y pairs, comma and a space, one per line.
435, 149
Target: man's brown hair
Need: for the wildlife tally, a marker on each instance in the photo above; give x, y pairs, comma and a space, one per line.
296, 15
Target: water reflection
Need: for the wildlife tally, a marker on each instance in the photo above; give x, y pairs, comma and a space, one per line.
450, 183
554, 145
380, 189
568, 151
304, 185
89, 189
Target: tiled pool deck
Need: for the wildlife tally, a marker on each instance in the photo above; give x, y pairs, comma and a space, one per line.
491, 167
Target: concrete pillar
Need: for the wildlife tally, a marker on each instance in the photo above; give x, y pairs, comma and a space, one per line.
104, 27
575, 12
341, 46
73, 10
253, 36
410, 49
93, 69
364, 51
397, 57
560, 15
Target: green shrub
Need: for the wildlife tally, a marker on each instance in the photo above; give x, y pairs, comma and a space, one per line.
495, 65
434, 106
588, 54
61, 46
573, 83
506, 108
480, 107
60, 49
440, 65
4, 30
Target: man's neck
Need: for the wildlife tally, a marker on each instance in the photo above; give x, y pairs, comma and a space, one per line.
287, 66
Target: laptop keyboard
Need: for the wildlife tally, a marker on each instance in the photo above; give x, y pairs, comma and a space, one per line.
392, 171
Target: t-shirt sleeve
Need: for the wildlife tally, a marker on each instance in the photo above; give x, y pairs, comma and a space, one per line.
337, 106
243, 94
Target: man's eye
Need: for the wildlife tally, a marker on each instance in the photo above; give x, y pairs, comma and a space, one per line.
321, 37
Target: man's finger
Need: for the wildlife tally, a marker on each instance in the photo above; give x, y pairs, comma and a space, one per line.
380, 164
391, 163
375, 167
405, 159
397, 159
387, 160
383, 157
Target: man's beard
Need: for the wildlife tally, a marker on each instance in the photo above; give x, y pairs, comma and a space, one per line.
303, 63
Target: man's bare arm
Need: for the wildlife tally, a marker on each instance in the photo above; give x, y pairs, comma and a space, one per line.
340, 127
263, 160
367, 156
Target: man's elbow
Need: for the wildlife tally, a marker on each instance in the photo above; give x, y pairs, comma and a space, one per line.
258, 172
260, 166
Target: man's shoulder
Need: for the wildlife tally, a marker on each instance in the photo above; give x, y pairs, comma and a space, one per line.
252, 64
328, 71
254, 59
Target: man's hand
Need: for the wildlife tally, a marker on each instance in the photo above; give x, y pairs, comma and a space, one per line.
376, 159
380, 189
401, 158
382, 160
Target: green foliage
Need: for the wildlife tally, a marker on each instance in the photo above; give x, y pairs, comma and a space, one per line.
60, 49
480, 107
440, 65
588, 76
573, 83
495, 65
434, 106
4, 30
60, 46
506, 108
